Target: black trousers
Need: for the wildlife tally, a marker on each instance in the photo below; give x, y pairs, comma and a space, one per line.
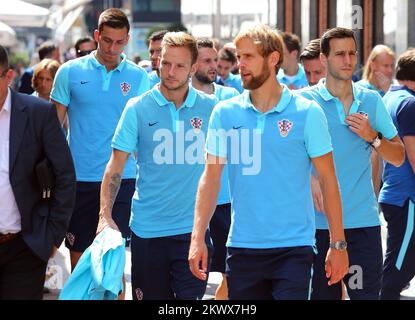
364, 280
399, 265
22, 273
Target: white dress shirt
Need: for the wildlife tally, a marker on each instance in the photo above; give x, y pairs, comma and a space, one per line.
10, 221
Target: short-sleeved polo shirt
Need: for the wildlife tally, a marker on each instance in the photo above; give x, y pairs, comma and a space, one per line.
351, 153
95, 100
399, 183
169, 143
269, 162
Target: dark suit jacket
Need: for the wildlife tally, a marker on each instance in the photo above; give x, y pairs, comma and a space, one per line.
35, 133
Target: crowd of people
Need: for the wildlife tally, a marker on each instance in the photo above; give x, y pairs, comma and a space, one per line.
260, 160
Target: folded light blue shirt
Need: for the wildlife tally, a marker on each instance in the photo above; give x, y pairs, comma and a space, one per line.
98, 274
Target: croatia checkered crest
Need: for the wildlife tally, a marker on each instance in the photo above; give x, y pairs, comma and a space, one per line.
196, 123
285, 127
125, 88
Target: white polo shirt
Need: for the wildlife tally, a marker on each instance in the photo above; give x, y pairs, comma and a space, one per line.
10, 215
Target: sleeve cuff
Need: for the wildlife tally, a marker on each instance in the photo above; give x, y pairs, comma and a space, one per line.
321, 153
122, 148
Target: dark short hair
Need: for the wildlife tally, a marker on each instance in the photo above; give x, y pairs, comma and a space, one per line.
335, 33
83, 40
292, 41
4, 58
205, 43
46, 50
227, 55
311, 50
405, 67
157, 35
113, 18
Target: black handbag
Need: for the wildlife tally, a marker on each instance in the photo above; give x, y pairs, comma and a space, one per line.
45, 177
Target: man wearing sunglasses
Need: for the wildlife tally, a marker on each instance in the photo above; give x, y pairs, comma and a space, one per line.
84, 46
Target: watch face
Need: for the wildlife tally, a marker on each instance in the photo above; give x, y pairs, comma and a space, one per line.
376, 143
341, 245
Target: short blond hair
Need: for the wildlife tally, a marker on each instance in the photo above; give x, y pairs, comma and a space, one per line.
376, 51
46, 64
266, 39
180, 39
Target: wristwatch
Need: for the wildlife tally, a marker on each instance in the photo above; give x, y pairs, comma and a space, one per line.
339, 245
377, 141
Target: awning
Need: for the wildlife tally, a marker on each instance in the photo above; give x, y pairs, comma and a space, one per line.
17, 13
62, 19
67, 23
7, 35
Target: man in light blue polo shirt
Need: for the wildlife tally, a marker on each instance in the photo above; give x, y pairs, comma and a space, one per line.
358, 121
269, 138
154, 51
379, 70
292, 73
203, 80
93, 91
166, 127
226, 61
397, 196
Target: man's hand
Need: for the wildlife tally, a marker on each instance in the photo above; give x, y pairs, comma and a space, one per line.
360, 125
198, 256
317, 194
105, 220
337, 265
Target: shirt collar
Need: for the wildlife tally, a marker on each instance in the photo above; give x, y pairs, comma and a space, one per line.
280, 107
300, 73
8, 102
401, 87
97, 64
189, 102
327, 96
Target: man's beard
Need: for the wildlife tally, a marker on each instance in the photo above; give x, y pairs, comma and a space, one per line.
203, 79
178, 86
259, 80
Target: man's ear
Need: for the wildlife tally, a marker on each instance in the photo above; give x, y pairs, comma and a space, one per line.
194, 69
10, 76
274, 58
294, 54
323, 60
128, 39
96, 35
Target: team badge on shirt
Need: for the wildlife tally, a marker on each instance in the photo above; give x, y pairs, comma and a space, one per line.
285, 127
196, 123
139, 294
364, 114
71, 238
125, 88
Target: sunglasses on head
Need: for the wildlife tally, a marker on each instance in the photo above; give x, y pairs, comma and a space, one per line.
82, 53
